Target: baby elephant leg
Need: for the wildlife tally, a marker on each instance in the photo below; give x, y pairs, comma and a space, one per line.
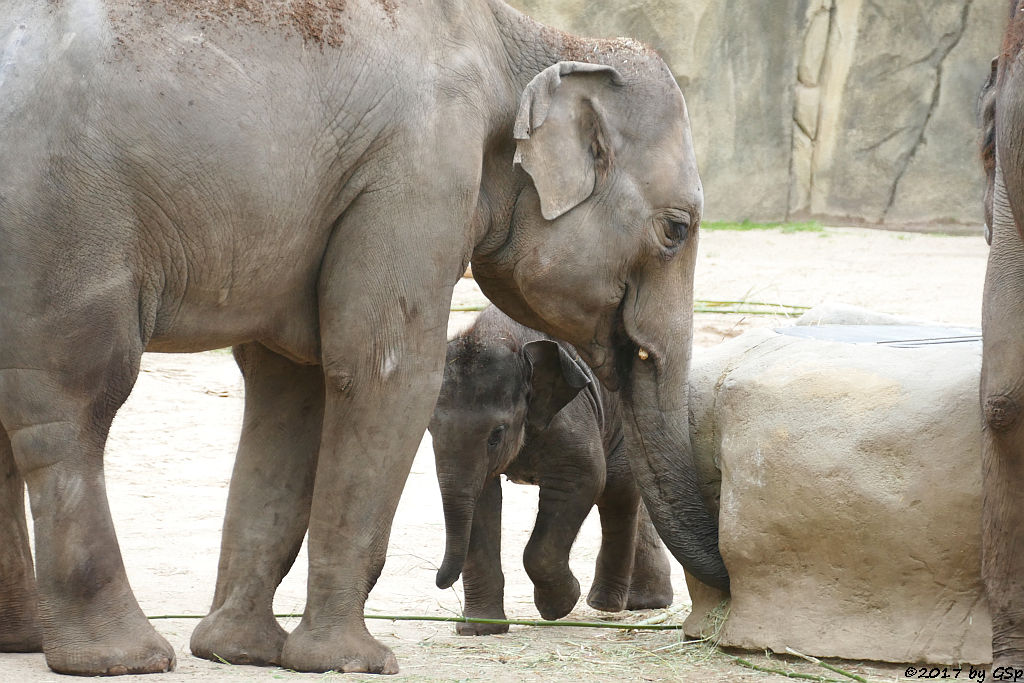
482, 578
560, 515
650, 586
610, 590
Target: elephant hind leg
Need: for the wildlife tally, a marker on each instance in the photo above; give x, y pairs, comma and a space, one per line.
268, 507
19, 615
57, 402
610, 590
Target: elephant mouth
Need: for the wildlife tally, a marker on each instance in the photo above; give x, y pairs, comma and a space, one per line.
613, 359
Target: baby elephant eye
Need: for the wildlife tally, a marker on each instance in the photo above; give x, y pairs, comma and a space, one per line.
496, 435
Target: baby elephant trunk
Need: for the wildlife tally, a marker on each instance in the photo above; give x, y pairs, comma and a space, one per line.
459, 501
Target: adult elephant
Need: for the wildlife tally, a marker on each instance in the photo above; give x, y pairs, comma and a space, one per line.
306, 181
1002, 370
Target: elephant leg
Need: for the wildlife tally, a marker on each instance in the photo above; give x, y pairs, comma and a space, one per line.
19, 618
383, 318
57, 402
268, 506
650, 585
610, 590
482, 579
618, 506
565, 502
1002, 400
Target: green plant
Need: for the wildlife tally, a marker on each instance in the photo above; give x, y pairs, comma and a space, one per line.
746, 225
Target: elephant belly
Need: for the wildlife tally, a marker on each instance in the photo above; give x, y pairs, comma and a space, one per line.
286, 324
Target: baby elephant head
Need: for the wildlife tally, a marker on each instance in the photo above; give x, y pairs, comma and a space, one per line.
495, 392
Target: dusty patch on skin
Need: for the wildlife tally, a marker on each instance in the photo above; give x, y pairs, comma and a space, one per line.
578, 49
315, 21
625, 54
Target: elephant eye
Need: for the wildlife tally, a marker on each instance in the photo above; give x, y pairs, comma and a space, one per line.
676, 230
496, 434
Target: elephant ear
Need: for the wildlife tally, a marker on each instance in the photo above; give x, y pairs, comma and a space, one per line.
555, 380
562, 139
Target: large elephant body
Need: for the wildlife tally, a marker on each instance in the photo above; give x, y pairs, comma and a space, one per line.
306, 181
1002, 368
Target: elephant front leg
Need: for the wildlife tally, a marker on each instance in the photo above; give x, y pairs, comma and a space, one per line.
268, 507
1002, 402
482, 578
563, 507
383, 317
19, 618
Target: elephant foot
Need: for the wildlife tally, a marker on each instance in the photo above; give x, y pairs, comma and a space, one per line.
134, 647
349, 650
19, 628
472, 629
608, 598
19, 635
649, 597
554, 602
238, 638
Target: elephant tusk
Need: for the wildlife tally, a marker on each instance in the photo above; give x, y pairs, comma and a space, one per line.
643, 354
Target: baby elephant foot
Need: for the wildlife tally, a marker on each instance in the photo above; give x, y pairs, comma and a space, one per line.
555, 601
238, 638
649, 597
349, 650
472, 629
475, 629
608, 598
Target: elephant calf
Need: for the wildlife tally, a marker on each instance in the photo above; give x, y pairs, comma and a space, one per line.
517, 402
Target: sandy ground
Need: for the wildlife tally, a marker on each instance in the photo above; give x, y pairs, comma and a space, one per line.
171, 450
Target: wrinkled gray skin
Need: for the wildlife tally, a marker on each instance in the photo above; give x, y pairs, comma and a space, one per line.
307, 185
515, 402
1002, 370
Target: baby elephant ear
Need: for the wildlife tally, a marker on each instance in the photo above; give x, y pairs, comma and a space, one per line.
555, 380
562, 139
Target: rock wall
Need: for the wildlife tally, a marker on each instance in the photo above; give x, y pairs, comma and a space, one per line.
854, 111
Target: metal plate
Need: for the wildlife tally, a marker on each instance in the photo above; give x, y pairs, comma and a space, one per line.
900, 336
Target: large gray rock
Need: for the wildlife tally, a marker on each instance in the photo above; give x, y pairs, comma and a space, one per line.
847, 478
838, 109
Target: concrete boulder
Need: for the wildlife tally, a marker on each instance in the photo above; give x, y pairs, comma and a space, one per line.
847, 479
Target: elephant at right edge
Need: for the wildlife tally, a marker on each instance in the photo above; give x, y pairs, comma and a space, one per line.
1002, 375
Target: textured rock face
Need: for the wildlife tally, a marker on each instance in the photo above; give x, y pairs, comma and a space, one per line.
849, 490
839, 109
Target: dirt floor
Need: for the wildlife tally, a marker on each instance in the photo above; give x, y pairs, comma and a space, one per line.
171, 449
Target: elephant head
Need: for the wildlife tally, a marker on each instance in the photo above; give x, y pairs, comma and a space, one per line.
1002, 120
492, 393
600, 252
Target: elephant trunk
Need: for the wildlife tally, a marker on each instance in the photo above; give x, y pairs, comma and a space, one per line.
656, 429
652, 363
459, 503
